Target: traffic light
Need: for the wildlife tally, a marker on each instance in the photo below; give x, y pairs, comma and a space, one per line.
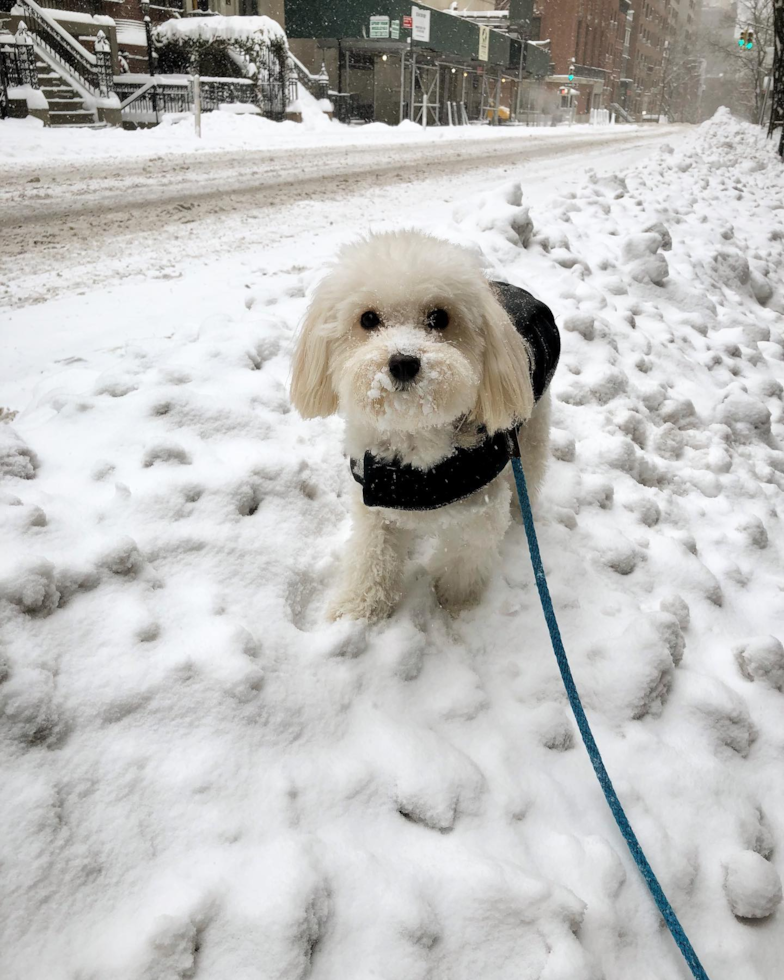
749, 40
570, 76
742, 40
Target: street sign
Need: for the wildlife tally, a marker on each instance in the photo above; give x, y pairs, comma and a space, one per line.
394, 30
421, 21
379, 27
406, 23
484, 43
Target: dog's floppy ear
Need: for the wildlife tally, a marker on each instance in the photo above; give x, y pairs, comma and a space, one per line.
505, 392
312, 392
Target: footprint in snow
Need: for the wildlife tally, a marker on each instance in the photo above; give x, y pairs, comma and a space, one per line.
762, 659
165, 453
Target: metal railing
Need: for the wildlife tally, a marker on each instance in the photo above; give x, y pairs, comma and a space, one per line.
147, 102
93, 71
317, 85
17, 56
7, 65
620, 111
162, 94
17, 64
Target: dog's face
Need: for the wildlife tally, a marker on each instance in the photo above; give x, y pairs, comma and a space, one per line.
405, 334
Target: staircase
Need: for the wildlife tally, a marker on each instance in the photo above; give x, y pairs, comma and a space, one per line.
76, 80
65, 105
622, 113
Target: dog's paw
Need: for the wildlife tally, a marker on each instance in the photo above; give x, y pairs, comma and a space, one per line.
456, 599
372, 607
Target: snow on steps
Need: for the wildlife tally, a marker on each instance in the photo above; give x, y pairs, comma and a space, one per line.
66, 107
203, 778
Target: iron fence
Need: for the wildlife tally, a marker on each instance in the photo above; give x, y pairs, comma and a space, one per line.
17, 58
17, 65
161, 94
147, 103
224, 91
4, 79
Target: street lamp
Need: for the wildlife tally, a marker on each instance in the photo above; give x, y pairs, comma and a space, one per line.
148, 34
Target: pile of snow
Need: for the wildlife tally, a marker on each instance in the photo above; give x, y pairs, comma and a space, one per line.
313, 111
34, 97
209, 29
201, 777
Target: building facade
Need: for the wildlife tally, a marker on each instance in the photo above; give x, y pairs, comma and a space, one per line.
638, 58
587, 41
646, 56
380, 70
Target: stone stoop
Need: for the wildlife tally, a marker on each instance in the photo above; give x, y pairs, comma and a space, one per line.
65, 104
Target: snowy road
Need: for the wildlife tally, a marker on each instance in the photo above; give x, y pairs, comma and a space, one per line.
148, 217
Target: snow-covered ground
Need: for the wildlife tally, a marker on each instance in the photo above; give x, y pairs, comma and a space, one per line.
202, 778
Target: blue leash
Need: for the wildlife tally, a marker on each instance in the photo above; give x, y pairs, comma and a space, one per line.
676, 929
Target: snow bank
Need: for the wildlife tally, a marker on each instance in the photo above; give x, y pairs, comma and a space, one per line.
21, 144
203, 778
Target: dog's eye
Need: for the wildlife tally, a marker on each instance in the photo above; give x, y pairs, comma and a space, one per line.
437, 319
370, 320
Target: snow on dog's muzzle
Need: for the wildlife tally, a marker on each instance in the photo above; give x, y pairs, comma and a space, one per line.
402, 379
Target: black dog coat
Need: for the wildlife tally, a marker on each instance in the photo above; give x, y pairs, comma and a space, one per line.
404, 487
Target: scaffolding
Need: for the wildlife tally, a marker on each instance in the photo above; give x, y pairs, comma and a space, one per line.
436, 92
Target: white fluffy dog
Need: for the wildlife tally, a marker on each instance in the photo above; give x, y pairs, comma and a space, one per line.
409, 342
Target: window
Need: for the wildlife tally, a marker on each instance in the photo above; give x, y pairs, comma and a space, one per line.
360, 61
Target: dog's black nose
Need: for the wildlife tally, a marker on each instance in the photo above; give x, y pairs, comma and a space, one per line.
403, 367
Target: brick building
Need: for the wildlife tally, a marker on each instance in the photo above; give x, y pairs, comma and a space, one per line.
587, 39
631, 56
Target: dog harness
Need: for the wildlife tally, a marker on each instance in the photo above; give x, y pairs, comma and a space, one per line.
400, 486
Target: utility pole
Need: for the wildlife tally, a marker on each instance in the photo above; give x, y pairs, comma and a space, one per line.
777, 96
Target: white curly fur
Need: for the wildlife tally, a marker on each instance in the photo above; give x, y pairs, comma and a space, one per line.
475, 372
